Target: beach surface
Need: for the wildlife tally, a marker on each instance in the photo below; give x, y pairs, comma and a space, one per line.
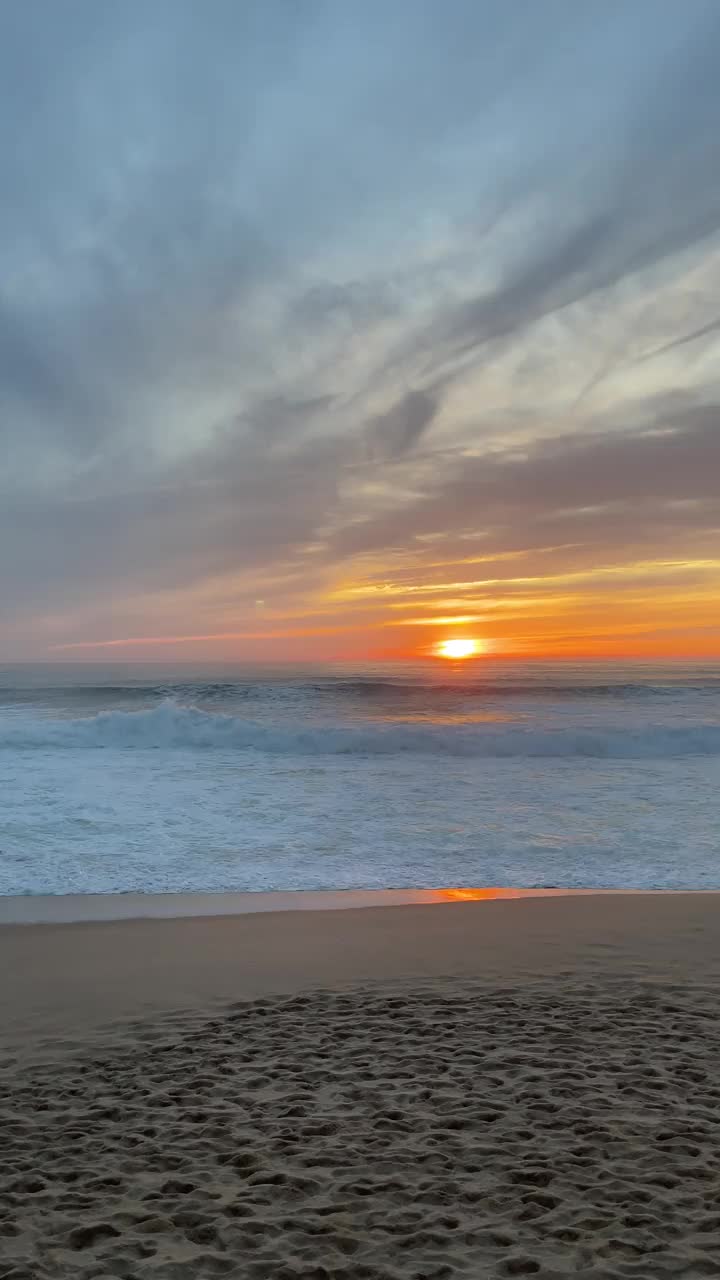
468, 1088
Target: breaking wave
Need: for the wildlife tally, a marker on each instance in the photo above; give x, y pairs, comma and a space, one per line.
170, 726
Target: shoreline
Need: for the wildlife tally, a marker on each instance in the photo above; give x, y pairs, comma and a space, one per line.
79, 908
69, 978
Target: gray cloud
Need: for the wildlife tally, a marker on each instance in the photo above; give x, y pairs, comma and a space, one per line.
398, 430
556, 277
242, 508
614, 487
657, 194
705, 331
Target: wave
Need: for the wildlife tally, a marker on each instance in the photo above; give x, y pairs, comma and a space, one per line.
89, 693
170, 726
508, 689
226, 693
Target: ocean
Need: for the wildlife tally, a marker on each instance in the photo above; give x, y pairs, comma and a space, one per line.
191, 778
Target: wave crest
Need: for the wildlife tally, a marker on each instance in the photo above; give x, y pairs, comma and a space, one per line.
170, 726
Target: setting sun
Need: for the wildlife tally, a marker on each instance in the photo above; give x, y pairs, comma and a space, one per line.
458, 648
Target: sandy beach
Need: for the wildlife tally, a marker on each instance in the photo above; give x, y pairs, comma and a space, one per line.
490, 1088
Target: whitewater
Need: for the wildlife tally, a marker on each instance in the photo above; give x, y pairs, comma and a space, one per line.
151, 779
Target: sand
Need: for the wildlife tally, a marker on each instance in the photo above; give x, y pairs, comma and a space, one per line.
480, 1090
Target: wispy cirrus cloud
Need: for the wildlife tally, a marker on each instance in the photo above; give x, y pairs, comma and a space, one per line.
286, 286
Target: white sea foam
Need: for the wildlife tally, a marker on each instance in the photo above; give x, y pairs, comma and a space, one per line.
165, 780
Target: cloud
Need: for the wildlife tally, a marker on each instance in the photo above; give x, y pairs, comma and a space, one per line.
401, 428
705, 331
272, 275
608, 489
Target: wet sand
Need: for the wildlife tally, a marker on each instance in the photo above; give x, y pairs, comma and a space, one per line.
471, 1089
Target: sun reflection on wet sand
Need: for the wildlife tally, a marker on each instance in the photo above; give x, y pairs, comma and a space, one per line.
464, 894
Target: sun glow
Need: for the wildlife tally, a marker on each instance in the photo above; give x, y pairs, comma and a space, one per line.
457, 648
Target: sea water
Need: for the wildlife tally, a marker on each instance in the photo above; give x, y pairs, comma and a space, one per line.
152, 779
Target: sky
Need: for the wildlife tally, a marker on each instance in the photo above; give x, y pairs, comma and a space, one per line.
334, 329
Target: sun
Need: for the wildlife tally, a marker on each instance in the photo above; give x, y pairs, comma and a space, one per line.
458, 648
